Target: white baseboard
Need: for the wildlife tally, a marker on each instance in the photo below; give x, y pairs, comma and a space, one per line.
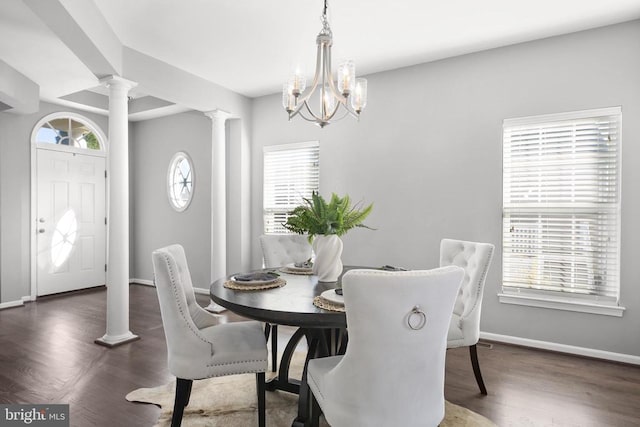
563, 348
142, 282
146, 282
10, 304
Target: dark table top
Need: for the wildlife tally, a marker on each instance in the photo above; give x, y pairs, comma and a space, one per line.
291, 304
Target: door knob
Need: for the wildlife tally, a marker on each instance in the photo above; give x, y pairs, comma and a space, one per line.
41, 230
41, 220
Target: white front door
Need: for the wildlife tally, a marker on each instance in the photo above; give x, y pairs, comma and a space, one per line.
71, 221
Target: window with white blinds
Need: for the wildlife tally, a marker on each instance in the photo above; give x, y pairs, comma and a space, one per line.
561, 206
291, 172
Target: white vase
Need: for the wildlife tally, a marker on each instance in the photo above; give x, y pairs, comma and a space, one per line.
328, 264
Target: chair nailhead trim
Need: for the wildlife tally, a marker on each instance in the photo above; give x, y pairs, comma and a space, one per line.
482, 279
174, 288
236, 363
253, 371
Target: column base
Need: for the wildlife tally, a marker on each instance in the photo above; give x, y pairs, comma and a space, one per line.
215, 308
114, 341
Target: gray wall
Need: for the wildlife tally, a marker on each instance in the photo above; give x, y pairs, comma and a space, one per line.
427, 151
15, 196
154, 222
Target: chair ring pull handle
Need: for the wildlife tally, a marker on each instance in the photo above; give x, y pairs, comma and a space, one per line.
417, 323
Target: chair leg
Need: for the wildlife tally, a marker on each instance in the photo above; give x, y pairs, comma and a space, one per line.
261, 388
274, 348
315, 411
473, 352
344, 339
267, 330
272, 330
183, 392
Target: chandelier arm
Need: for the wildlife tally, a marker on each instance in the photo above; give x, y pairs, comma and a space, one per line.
335, 110
300, 112
315, 119
309, 119
330, 119
296, 110
351, 111
346, 113
325, 118
303, 100
327, 72
318, 119
323, 106
312, 89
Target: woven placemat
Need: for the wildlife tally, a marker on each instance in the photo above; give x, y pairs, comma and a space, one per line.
327, 305
288, 270
279, 282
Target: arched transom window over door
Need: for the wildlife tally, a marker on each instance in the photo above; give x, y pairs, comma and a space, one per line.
64, 129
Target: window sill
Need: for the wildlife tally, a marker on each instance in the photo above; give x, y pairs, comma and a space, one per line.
561, 304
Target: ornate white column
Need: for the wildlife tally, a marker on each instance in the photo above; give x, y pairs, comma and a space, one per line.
118, 223
218, 199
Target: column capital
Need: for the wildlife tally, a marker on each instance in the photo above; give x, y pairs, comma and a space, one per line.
216, 115
118, 82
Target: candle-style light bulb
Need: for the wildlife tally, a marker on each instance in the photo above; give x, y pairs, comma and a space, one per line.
346, 77
298, 82
288, 100
359, 97
328, 101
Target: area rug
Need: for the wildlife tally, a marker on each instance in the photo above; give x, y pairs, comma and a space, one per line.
231, 402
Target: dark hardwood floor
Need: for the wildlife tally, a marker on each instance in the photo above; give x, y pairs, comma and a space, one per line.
47, 355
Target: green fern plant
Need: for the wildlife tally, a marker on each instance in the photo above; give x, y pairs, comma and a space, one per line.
317, 217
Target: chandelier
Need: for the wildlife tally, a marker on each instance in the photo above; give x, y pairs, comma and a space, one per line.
348, 92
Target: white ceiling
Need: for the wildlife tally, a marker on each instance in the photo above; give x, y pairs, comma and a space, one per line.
250, 46
27, 45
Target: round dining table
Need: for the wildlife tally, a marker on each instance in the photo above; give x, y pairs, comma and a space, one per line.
292, 305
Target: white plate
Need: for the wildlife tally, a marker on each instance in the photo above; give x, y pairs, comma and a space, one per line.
253, 282
293, 267
332, 297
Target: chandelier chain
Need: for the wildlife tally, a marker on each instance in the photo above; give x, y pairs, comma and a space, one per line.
326, 30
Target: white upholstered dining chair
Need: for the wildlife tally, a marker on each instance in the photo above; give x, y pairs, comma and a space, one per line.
279, 250
392, 373
464, 331
197, 346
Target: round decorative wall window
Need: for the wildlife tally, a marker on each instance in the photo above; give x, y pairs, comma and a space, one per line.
180, 181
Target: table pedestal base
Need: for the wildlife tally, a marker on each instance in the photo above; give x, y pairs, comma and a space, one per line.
321, 343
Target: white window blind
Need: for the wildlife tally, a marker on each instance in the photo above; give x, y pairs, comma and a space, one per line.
291, 172
561, 205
